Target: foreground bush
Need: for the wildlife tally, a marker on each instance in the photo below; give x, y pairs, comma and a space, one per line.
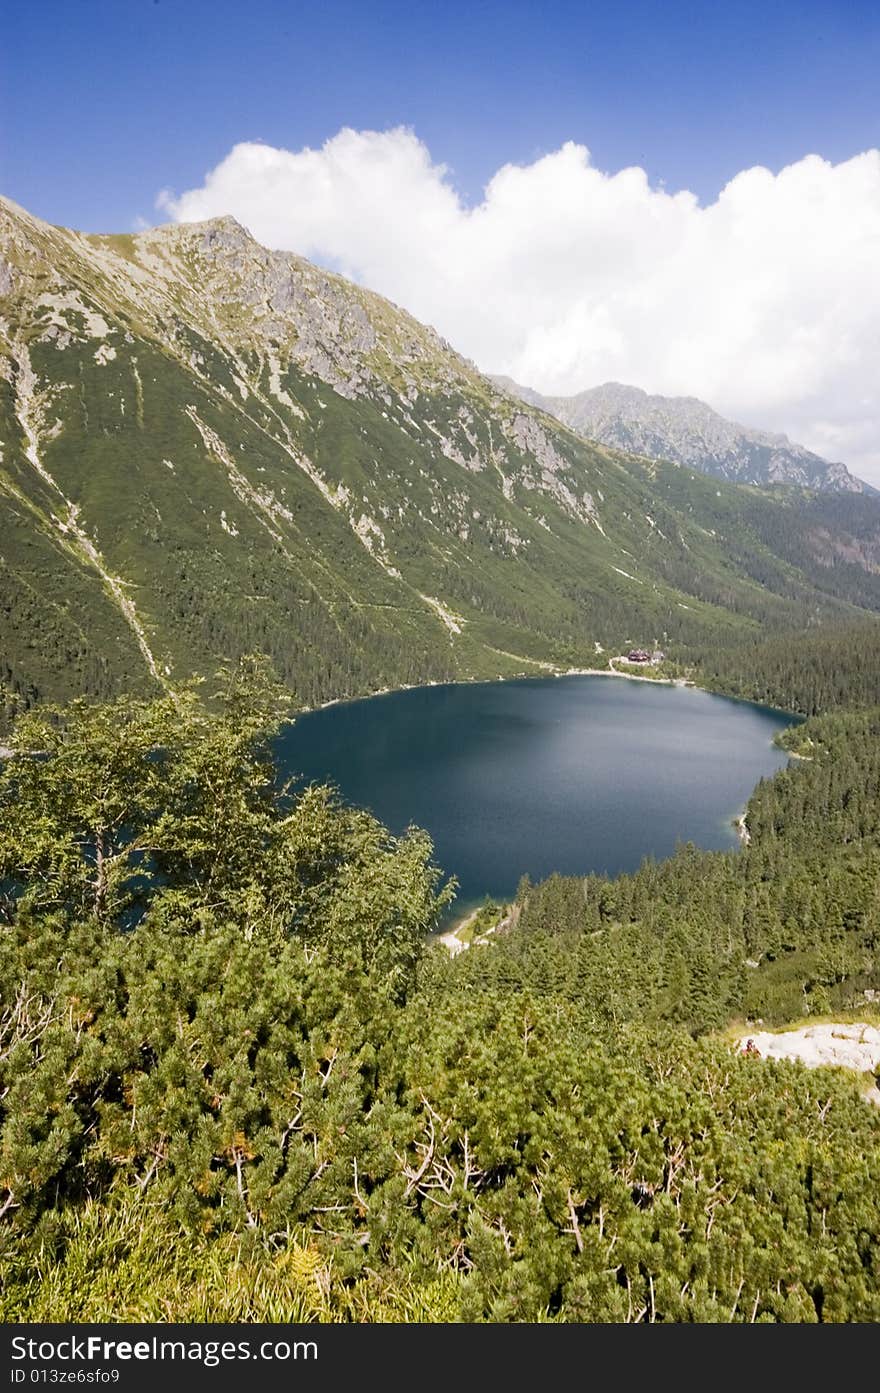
235, 1085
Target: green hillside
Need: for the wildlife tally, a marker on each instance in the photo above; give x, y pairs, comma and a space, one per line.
209, 449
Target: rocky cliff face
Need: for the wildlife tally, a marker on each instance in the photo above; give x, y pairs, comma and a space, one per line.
689, 432
210, 448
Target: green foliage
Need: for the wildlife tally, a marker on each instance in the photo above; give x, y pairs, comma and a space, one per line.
788, 926
638, 1178
162, 812
127, 1260
810, 673
235, 1085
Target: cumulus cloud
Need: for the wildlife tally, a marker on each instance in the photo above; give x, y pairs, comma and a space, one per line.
766, 303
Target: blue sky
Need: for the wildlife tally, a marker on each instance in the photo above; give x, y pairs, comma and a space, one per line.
438, 153
105, 102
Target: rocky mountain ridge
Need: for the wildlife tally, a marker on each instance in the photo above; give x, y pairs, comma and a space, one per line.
688, 432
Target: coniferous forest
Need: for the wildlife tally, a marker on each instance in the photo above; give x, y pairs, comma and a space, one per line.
237, 1081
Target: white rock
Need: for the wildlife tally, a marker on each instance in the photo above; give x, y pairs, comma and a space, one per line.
841, 1045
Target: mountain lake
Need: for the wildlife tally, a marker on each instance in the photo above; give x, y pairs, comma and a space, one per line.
573, 774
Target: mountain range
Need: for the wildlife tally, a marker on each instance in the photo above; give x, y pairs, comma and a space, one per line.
688, 432
209, 448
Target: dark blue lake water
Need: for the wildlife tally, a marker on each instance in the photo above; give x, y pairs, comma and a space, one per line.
569, 774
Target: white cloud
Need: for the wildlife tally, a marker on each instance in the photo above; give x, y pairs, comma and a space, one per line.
766, 303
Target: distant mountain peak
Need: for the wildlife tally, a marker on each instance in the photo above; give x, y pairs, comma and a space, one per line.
223, 228
691, 433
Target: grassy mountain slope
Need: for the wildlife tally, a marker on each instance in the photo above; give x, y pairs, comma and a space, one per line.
209, 448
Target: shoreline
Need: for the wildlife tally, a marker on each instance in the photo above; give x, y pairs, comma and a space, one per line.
512, 677
451, 939
548, 672
628, 676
